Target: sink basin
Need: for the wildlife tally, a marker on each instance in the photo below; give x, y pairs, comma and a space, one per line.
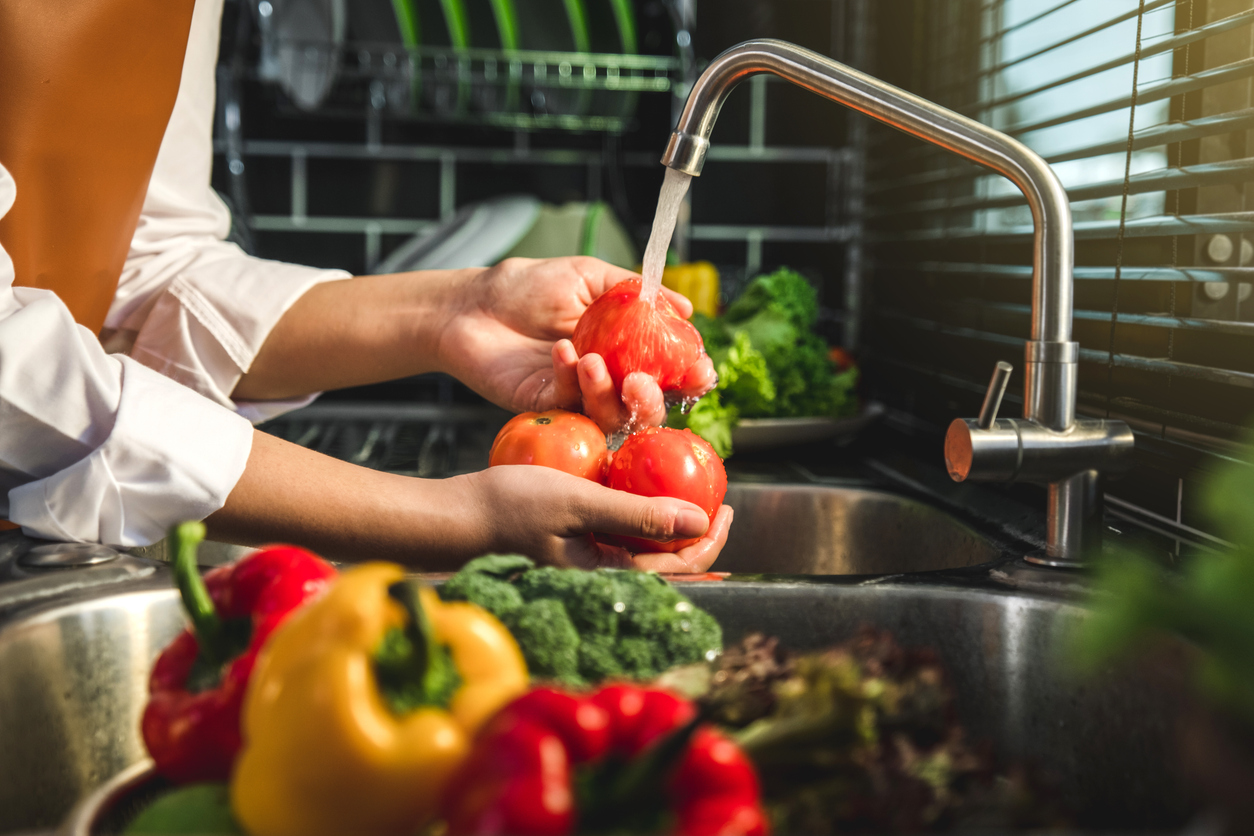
828, 530
76, 646
75, 676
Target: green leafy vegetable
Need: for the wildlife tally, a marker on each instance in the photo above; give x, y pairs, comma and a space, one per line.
784, 293
1208, 604
769, 363
579, 627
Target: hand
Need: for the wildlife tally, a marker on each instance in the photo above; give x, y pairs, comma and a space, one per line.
550, 516
508, 341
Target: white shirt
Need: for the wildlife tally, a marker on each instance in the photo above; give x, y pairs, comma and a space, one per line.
117, 447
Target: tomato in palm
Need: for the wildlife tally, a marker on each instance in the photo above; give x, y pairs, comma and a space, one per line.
559, 439
665, 462
634, 336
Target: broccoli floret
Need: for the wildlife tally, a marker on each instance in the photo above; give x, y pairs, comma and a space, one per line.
548, 640
645, 598
578, 627
693, 636
587, 596
499, 597
639, 657
597, 659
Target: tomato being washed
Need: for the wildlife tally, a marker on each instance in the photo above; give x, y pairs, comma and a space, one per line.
559, 439
665, 462
634, 336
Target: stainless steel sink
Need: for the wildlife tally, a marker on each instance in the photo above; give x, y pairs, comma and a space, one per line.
76, 646
828, 530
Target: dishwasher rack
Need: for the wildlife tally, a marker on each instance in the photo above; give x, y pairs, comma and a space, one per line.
429, 440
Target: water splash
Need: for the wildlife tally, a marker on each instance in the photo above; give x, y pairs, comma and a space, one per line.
674, 187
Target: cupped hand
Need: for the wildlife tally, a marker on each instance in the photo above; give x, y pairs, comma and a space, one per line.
509, 341
551, 517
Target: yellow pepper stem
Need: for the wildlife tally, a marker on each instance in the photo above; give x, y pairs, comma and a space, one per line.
414, 669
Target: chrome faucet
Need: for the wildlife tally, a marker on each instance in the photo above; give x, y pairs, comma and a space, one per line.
1048, 445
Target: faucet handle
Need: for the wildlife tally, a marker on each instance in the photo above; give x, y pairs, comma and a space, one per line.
996, 391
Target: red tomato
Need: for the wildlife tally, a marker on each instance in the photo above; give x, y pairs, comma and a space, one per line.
633, 336
559, 439
665, 462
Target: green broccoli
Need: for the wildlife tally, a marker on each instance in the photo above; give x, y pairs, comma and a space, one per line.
497, 596
580, 627
587, 596
598, 659
693, 634
640, 656
548, 640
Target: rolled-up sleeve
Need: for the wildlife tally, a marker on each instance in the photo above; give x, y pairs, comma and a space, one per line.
190, 305
96, 447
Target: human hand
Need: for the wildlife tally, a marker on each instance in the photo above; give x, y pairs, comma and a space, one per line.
551, 516
508, 340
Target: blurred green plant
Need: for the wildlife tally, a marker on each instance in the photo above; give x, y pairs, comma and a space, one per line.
1210, 604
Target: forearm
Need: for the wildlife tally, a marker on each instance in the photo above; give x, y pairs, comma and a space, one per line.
353, 332
346, 512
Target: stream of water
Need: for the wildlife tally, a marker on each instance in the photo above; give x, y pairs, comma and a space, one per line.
674, 187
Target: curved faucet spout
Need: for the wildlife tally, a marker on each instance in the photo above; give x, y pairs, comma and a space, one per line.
1052, 255
1063, 455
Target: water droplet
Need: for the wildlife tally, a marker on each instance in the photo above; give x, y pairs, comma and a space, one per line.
619, 606
683, 606
711, 655
685, 626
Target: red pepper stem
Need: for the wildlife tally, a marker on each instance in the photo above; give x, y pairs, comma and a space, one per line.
184, 538
639, 784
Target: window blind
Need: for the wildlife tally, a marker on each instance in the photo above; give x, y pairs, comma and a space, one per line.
1145, 109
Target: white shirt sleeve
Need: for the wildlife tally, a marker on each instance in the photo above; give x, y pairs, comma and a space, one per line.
96, 447
189, 304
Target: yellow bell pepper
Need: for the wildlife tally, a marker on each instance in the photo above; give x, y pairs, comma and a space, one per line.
698, 281
330, 744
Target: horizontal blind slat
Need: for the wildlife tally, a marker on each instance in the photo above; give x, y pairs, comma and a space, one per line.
1177, 86
1127, 273
1146, 138
1001, 33
1213, 326
1096, 402
1184, 39
1229, 377
1158, 226
1093, 30
1163, 179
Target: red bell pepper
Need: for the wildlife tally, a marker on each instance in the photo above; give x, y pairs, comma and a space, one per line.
191, 722
625, 759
